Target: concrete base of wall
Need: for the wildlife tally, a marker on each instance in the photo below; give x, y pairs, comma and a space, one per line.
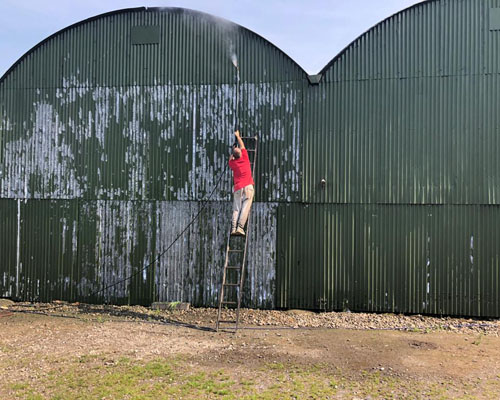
170, 306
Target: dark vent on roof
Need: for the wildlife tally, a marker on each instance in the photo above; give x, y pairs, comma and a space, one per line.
494, 19
145, 34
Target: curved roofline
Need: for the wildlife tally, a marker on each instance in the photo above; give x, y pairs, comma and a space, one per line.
404, 10
135, 9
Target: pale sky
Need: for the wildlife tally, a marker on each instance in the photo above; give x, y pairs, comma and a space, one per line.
312, 32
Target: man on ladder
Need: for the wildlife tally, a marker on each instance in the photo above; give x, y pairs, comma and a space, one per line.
236, 250
243, 192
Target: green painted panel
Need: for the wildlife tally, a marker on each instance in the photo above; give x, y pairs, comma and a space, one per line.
431, 39
494, 19
193, 48
117, 241
376, 186
10, 220
145, 34
420, 141
385, 258
148, 143
84, 251
48, 239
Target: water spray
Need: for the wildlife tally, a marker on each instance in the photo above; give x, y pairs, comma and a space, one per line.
234, 60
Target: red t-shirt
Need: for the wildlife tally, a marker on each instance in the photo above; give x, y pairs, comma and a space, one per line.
242, 174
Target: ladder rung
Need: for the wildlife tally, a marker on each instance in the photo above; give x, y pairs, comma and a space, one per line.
227, 267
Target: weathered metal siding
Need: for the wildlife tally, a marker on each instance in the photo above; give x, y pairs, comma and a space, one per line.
391, 258
435, 38
9, 246
47, 249
58, 249
407, 114
193, 49
120, 142
404, 119
149, 121
146, 143
403, 141
191, 271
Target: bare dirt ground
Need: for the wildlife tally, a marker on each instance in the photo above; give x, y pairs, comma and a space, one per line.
82, 351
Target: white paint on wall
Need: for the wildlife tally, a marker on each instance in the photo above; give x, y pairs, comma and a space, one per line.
84, 142
40, 163
108, 130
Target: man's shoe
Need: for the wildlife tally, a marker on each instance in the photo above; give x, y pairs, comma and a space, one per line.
233, 232
240, 231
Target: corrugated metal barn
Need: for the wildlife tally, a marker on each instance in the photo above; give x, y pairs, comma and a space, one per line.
378, 187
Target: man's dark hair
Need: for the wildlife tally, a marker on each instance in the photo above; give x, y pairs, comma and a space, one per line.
236, 154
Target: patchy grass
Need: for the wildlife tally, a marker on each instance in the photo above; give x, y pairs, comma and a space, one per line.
98, 377
91, 377
477, 342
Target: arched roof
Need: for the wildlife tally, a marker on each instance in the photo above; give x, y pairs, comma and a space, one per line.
367, 32
172, 10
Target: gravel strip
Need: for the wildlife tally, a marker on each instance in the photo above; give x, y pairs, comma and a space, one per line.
268, 318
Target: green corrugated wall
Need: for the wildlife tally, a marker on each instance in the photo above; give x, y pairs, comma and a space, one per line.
108, 148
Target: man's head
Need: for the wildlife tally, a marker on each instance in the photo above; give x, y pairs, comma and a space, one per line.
236, 152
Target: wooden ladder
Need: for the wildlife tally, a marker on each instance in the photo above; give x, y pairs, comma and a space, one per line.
236, 254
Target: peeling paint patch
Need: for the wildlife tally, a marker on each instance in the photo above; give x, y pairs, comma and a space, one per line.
175, 276
40, 163
125, 237
156, 142
261, 265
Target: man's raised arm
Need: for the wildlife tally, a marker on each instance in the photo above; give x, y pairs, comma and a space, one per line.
238, 138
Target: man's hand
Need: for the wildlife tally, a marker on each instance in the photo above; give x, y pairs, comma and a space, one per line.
238, 138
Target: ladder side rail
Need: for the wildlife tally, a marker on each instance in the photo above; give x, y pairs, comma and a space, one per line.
242, 274
242, 268
221, 293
